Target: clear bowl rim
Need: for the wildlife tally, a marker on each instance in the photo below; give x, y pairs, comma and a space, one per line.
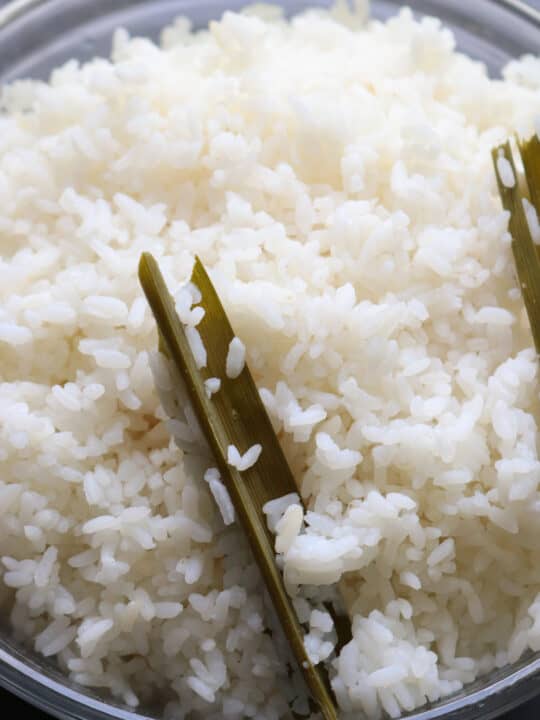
62, 700
13, 9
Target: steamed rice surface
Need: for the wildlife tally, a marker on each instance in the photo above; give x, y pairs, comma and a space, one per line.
335, 177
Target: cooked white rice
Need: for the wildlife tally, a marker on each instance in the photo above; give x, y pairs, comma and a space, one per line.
336, 179
505, 171
197, 346
243, 461
220, 495
212, 386
532, 220
236, 358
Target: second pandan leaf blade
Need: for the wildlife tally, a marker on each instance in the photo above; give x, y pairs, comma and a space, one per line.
530, 154
523, 246
235, 415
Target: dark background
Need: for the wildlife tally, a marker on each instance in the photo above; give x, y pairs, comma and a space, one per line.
13, 707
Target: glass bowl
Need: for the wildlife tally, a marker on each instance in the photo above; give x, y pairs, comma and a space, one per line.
38, 35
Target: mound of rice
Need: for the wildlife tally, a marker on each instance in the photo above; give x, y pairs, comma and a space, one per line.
335, 177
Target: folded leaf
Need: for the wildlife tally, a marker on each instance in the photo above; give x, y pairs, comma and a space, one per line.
235, 415
530, 154
525, 252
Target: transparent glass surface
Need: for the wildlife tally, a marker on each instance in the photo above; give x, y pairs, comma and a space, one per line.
38, 35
